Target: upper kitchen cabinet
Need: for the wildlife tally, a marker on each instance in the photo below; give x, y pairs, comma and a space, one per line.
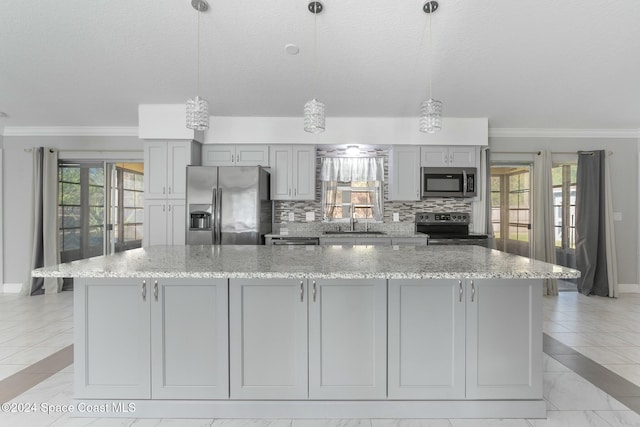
235, 155
404, 172
293, 172
165, 168
444, 156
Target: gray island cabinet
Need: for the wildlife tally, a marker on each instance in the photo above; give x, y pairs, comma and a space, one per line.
310, 332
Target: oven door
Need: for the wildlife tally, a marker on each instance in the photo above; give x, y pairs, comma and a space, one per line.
448, 182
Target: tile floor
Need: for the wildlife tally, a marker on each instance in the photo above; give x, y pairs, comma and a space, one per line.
606, 329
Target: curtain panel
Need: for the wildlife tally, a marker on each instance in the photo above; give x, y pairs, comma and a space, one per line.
44, 221
544, 248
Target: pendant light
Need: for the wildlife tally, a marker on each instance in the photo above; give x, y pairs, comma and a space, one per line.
430, 110
314, 109
198, 108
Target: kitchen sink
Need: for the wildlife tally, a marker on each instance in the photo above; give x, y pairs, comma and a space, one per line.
336, 232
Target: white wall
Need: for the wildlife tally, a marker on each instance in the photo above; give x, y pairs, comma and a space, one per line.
624, 179
17, 184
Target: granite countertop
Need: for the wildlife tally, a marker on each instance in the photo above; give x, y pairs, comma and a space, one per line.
313, 262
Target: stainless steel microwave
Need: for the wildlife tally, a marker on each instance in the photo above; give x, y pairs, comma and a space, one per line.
448, 182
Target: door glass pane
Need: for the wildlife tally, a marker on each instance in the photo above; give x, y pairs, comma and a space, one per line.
511, 207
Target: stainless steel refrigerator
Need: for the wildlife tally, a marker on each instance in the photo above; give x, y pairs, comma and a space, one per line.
228, 205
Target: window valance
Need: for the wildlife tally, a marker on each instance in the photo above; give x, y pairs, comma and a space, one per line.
345, 169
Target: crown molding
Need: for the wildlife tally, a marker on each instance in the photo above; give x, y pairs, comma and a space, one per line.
70, 131
562, 133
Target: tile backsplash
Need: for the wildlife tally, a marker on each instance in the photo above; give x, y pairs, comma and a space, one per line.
406, 210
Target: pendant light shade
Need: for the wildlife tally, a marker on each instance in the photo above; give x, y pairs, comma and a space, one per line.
430, 110
314, 116
197, 117
431, 116
197, 114
314, 110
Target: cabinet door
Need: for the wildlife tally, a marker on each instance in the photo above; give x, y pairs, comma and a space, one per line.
111, 339
218, 155
348, 339
504, 339
252, 155
268, 339
179, 156
281, 172
176, 222
155, 223
189, 339
155, 170
462, 156
304, 172
434, 156
426, 339
404, 173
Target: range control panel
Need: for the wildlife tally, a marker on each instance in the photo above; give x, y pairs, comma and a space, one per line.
442, 218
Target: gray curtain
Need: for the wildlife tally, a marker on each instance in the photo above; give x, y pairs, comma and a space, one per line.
543, 226
591, 256
44, 231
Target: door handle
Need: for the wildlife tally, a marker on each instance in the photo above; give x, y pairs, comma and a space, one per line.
144, 290
155, 290
214, 207
473, 291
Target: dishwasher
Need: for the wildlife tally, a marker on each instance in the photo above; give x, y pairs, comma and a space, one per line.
286, 240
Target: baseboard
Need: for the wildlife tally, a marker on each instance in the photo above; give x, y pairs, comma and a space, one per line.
629, 288
12, 288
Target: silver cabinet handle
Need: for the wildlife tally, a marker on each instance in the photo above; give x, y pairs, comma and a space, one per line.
155, 289
144, 290
169, 207
289, 191
460, 291
295, 191
473, 291
163, 208
301, 291
314, 291
163, 190
169, 189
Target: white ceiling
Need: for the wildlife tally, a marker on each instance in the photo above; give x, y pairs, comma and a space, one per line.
523, 64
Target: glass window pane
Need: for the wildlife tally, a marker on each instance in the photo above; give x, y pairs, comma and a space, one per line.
129, 182
129, 216
70, 240
96, 196
96, 176
95, 236
139, 199
96, 216
128, 198
70, 216
70, 194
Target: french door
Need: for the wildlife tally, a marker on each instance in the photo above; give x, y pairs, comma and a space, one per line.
511, 200
100, 208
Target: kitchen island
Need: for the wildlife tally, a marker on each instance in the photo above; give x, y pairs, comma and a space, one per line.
309, 332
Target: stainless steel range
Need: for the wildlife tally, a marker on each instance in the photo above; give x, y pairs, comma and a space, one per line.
448, 228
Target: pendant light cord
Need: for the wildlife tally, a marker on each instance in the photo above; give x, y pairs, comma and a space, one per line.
430, 51
198, 53
315, 49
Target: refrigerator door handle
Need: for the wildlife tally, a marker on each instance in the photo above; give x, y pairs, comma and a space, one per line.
219, 216
213, 222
